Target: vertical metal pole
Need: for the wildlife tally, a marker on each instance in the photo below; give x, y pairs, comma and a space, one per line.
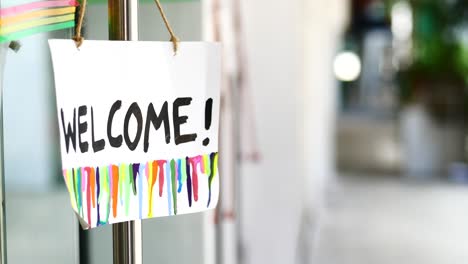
123, 19
83, 245
3, 252
3, 248
127, 237
127, 242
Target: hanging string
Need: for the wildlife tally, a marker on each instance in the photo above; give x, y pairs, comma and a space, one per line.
174, 39
82, 10
78, 38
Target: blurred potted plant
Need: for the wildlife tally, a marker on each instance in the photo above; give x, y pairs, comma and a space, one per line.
432, 86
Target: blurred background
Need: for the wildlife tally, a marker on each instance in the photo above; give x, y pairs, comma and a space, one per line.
343, 137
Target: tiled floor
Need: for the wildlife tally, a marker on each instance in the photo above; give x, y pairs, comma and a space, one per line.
380, 220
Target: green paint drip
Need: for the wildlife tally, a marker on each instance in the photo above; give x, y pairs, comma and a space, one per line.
174, 185
75, 187
35, 30
107, 187
132, 179
104, 177
128, 188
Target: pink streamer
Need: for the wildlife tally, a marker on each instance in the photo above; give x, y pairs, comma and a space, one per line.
14, 10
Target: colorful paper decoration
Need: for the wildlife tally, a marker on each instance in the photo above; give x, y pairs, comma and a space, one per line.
21, 21
138, 131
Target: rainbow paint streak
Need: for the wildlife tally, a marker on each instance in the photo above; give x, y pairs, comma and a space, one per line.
24, 20
108, 194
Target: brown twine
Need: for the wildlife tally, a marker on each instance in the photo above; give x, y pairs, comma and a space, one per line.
78, 38
174, 39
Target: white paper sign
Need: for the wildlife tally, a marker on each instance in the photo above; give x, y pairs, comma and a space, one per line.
138, 127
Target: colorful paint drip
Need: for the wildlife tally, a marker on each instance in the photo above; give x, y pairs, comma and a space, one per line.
108, 194
24, 20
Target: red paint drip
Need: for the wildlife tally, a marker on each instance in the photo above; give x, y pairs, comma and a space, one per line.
88, 193
161, 175
195, 161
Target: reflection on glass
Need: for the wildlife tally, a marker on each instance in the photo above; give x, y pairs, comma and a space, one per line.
40, 224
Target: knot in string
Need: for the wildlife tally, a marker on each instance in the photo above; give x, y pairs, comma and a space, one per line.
173, 39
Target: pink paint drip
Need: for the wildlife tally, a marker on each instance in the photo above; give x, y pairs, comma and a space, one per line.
161, 176
148, 164
111, 184
88, 193
64, 172
83, 180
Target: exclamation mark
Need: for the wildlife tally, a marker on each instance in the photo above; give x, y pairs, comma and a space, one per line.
208, 113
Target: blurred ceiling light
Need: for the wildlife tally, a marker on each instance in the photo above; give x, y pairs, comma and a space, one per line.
402, 20
347, 66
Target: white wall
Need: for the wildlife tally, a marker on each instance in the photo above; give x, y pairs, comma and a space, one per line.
271, 202
323, 24
291, 45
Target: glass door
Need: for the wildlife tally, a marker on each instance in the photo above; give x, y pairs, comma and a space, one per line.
40, 226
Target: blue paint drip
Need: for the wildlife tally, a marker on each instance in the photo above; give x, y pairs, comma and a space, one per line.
179, 174
141, 174
168, 184
189, 182
111, 182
